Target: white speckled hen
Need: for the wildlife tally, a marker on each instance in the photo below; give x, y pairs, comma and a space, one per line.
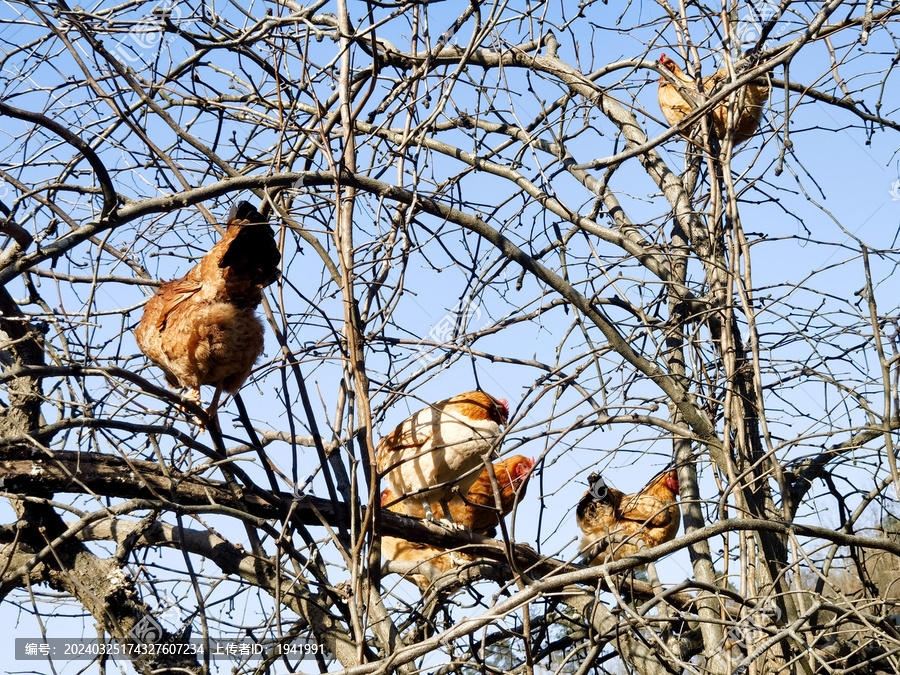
435, 452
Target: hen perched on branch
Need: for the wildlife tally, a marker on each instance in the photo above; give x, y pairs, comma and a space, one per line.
612, 521
476, 511
202, 329
437, 451
748, 102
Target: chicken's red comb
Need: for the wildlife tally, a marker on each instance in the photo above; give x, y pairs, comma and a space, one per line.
662, 57
505, 405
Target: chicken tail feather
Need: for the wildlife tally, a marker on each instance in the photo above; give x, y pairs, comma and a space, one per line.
253, 254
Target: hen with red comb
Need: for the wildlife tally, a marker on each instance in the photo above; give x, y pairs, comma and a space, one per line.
437, 451
743, 109
476, 510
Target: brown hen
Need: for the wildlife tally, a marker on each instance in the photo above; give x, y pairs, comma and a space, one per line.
612, 521
748, 102
202, 329
477, 511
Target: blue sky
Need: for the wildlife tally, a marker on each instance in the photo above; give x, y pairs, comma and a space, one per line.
834, 185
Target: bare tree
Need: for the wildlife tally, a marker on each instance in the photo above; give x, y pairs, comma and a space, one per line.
480, 196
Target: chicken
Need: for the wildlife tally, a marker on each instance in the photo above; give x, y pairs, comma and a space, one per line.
436, 452
748, 102
415, 557
202, 329
612, 521
477, 511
